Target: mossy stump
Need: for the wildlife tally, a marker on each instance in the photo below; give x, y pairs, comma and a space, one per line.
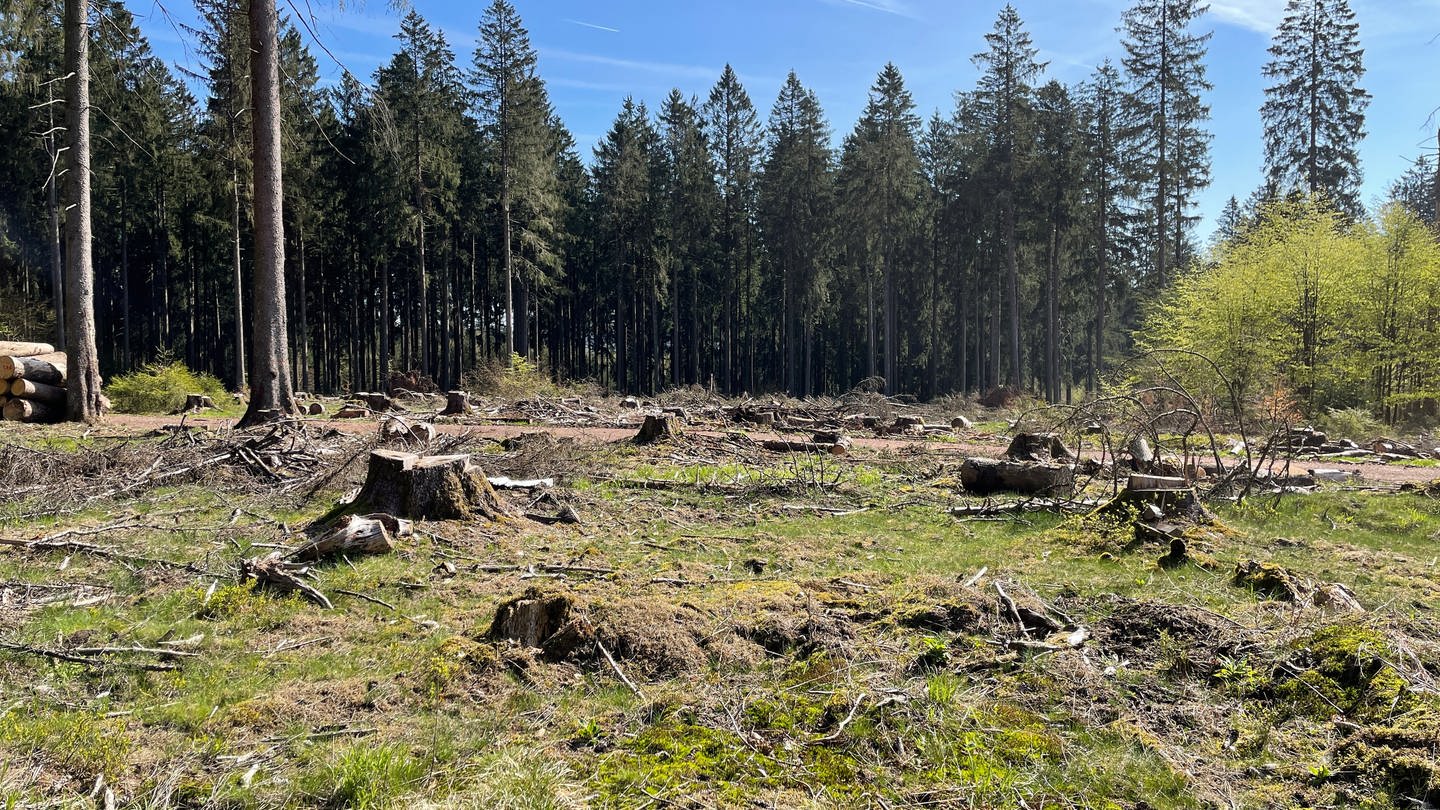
429, 487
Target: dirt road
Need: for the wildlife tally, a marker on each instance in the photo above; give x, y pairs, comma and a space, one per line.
968, 444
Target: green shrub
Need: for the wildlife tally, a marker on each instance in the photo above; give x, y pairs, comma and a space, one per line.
1351, 423
161, 387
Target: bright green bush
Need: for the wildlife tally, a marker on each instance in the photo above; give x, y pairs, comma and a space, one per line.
161, 388
1310, 307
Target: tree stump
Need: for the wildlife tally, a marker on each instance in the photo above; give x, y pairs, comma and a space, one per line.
395, 428
659, 429
1037, 447
197, 402
457, 403
984, 476
429, 487
532, 619
378, 403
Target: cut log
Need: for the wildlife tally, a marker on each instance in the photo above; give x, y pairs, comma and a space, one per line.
394, 428
1037, 447
959, 422
984, 476
457, 403
356, 534
45, 368
25, 410
197, 402
351, 411
315, 409
38, 392
429, 487
788, 446
659, 429
19, 348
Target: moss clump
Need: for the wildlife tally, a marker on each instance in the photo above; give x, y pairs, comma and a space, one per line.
1347, 671
1389, 767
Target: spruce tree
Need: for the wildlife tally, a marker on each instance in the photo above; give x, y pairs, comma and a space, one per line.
1105, 186
83, 403
514, 115
692, 200
271, 394
796, 201
1314, 112
881, 187
733, 129
1004, 101
1164, 123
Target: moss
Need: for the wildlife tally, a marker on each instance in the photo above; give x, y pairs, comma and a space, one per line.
1347, 671
1393, 764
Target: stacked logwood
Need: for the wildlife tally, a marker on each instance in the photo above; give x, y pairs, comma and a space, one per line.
32, 382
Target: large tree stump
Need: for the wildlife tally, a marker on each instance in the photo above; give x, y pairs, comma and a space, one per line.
659, 429
38, 392
429, 487
457, 403
1037, 447
984, 476
45, 368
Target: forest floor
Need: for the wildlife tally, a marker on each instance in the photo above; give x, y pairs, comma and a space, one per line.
762, 630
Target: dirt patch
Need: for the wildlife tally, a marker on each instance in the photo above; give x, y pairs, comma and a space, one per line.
1149, 632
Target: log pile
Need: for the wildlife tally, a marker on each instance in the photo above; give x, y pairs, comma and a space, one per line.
32, 382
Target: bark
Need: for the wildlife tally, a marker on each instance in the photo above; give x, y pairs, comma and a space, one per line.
270, 391
84, 403
983, 476
44, 393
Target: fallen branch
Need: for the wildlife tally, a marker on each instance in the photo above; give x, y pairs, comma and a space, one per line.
619, 672
62, 655
840, 729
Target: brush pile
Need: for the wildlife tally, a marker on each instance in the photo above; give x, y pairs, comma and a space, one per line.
32, 382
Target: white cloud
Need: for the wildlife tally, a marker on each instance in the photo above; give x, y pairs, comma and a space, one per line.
666, 68
900, 8
1263, 16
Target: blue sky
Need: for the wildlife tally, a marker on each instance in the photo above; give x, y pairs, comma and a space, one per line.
593, 54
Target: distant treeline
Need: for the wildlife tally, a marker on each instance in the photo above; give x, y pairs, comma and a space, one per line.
1016, 239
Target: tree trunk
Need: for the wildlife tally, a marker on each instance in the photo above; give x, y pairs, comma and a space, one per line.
57, 273
84, 404
270, 393
235, 270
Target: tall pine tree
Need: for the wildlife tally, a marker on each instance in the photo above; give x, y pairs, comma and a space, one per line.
1165, 119
1314, 112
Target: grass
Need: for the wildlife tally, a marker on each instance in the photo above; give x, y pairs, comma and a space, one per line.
840, 660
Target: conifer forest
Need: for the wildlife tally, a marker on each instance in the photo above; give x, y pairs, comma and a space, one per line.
438, 216
443, 438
